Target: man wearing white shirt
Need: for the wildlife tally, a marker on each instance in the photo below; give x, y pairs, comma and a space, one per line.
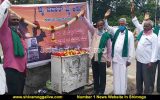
122, 52
146, 38
146, 55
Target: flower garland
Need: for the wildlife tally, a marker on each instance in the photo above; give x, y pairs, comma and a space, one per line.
51, 28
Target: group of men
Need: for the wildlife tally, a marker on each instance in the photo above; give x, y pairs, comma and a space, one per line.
116, 45
109, 45
103, 51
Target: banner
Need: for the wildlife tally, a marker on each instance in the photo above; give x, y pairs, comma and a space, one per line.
41, 45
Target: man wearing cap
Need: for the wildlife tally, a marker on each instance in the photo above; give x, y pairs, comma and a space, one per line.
122, 52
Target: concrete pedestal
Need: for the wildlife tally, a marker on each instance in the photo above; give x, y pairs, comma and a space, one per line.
69, 73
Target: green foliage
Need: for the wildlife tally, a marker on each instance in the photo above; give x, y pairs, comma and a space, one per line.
99, 8
121, 8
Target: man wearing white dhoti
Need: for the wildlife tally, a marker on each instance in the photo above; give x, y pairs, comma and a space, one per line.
122, 52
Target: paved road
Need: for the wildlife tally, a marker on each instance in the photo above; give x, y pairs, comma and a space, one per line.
131, 79
109, 81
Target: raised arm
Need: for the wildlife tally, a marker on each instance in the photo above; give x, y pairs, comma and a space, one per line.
132, 9
88, 24
4, 11
137, 24
134, 19
110, 29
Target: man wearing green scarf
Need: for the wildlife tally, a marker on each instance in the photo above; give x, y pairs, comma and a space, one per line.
146, 54
14, 50
100, 54
122, 52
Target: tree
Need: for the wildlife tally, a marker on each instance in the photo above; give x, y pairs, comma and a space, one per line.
99, 10
121, 8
